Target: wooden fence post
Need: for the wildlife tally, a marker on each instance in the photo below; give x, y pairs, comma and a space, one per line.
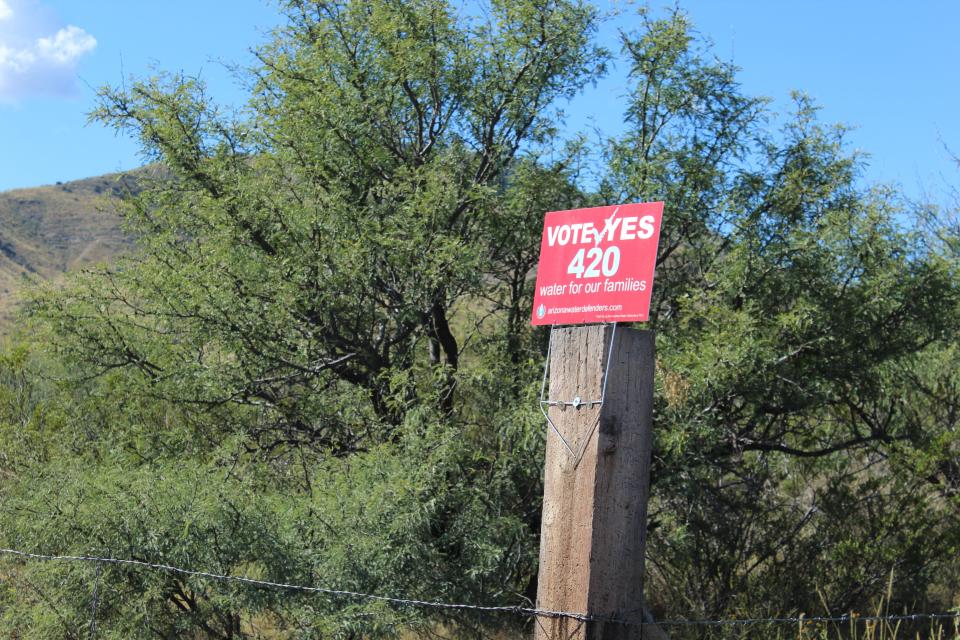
596, 483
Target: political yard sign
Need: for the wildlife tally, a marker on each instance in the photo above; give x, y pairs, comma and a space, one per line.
596, 265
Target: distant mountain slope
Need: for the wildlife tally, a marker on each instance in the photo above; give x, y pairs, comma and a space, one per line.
48, 231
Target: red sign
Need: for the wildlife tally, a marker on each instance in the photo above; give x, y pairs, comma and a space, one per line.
596, 265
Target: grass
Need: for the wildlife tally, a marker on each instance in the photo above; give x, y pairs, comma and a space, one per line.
51, 230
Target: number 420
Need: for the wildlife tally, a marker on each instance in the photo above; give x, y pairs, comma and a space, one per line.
606, 261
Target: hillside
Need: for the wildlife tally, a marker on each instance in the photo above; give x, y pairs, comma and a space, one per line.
50, 230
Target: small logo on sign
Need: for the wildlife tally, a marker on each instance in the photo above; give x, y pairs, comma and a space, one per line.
541, 311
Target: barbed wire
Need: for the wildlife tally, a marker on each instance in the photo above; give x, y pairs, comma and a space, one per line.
289, 586
515, 610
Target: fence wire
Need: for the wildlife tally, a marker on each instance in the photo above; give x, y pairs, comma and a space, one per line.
430, 604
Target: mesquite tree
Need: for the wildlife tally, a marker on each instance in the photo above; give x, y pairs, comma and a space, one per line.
317, 366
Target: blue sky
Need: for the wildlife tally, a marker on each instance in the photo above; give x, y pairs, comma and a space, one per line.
888, 68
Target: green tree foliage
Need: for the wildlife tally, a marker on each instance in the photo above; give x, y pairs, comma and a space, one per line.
792, 310
319, 244
317, 366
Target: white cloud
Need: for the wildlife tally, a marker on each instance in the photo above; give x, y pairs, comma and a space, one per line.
67, 44
17, 61
37, 56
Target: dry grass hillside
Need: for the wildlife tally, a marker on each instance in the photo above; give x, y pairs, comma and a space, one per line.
48, 231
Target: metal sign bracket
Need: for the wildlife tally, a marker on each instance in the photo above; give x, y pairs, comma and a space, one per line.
576, 402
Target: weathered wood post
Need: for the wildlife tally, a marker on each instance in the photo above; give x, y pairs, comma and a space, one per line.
596, 483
